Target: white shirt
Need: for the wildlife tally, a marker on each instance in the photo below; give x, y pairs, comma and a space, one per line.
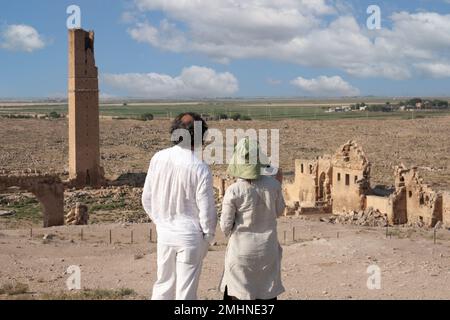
179, 198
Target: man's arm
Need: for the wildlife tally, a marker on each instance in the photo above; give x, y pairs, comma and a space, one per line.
207, 206
147, 193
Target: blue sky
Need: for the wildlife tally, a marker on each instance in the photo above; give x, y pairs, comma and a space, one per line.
157, 49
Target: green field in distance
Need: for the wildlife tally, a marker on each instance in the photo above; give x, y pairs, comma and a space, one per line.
256, 111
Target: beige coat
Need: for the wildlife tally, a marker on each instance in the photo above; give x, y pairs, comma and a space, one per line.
253, 256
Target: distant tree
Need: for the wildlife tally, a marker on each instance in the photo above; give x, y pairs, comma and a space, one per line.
236, 117
246, 118
440, 104
379, 108
414, 101
54, 115
222, 116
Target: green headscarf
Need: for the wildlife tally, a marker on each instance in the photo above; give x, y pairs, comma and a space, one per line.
246, 162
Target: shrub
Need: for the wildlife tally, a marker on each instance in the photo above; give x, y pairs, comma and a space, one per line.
147, 117
14, 289
236, 117
54, 115
92, 294
222, 117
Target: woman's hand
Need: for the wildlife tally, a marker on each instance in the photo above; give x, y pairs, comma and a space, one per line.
279, 175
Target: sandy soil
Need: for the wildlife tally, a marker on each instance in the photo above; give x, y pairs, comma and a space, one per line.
127, 146
325, 262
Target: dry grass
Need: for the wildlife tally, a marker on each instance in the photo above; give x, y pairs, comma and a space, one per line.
14, 289
96, 294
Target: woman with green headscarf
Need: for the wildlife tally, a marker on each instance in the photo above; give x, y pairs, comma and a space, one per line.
250, 210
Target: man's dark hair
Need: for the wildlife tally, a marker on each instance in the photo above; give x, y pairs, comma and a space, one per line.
187, 121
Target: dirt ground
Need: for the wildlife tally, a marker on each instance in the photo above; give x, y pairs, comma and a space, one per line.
325, 261
127, 145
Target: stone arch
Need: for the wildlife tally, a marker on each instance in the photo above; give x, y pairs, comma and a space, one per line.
48, 190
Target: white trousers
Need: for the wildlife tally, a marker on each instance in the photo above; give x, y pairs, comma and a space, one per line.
179, 271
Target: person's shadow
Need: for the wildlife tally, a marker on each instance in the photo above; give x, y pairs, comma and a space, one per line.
136, 180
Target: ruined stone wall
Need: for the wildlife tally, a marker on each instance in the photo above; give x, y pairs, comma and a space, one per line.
48, 189
423, 205
303, 189
446, 209
351, 179
343, 181
394, 206
347, 192
83, 97
399, 207
382, 204
312, 183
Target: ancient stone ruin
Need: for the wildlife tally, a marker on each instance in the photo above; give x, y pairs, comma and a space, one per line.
78, 216
446, 209
84, 138
411, 201
340, 184
83, 97
48, 189
335, 183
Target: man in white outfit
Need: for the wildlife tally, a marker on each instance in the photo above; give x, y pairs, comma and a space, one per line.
179, 198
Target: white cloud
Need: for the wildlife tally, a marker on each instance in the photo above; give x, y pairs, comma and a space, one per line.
435, 70
326, 86
167, 36
193, 82
305, 32
20, 37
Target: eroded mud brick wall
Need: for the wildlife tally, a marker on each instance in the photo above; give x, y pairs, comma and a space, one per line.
422, 203
303, 189
446, 209
83, 96
312, 182
351, 179
49, 190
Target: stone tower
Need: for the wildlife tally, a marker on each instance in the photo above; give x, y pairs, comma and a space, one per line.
84, 132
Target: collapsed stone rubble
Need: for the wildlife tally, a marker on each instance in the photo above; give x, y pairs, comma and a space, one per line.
78, 216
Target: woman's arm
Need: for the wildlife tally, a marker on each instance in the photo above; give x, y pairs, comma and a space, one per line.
280, 203
228, 212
